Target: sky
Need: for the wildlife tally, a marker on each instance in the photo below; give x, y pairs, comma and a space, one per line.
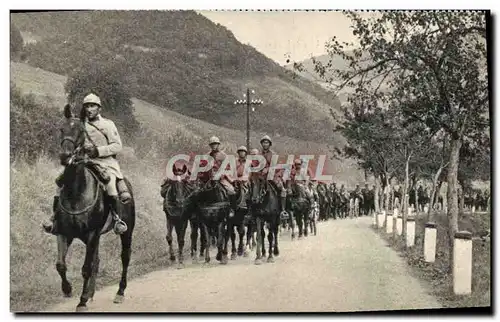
281, 35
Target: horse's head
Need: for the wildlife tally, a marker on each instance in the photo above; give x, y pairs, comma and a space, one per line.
72, 138
257, 189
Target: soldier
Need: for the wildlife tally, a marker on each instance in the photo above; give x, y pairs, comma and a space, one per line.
293, 178
102, 144
225, 180
240, 163
266, 144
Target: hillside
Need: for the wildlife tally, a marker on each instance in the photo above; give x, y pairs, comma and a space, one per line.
161, 125
182, 61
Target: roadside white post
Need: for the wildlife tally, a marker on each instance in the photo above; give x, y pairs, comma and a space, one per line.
430, 236
380, 219
426, 208
399, 225
410, 232
473, 210
389, 223
374, 216
462, 263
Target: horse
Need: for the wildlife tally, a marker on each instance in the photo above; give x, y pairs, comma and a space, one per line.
300, 207
176, 193
238, 220
83, 212
213, 208
324, 202
264, 207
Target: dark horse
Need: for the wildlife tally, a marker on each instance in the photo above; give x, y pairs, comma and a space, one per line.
213, 207
83, 212
177, 194
300, 206
238, 220
264, 207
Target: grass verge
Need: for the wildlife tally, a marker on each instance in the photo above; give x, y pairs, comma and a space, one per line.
436, 274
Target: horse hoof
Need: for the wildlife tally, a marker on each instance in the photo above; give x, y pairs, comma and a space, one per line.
172, 258
218, 257
258, 261
194, 260
245, 254
276, 252
180, 265
82, 308
224, 260
233, 256
69, 294
118, 299
67, 290
270, 260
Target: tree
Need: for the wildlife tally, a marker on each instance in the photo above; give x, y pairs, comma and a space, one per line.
433, 61
16, 41
108, 81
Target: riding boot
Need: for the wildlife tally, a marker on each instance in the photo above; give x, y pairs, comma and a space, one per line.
120, 226
284, 213
49, 227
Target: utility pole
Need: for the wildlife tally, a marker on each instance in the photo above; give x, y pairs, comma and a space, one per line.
248, 101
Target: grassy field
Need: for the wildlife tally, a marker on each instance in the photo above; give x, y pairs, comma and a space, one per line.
35, 283
435, 275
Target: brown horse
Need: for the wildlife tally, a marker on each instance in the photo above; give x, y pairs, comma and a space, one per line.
178, 209
83, 212
264, 207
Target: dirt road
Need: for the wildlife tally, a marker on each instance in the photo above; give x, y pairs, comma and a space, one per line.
346, 267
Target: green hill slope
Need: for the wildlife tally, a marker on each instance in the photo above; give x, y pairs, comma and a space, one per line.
184, 62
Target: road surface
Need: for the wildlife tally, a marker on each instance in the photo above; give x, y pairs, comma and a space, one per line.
346, 267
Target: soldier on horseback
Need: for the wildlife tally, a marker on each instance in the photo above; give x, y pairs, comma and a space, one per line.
219, 156
266, 144
293, 178
102, 143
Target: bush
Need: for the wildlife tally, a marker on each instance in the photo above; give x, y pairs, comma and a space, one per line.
33, 128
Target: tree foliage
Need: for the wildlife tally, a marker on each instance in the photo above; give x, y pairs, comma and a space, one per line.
108, 81
16, 41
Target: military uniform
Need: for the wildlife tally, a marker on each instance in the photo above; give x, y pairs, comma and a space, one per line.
225, 180
102, 136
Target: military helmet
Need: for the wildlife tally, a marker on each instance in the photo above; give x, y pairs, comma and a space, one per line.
298, 162
266, 138
214, 140
242, 148
254, 151
92, 98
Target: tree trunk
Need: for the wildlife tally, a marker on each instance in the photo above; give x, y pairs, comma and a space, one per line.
433, 196
461, 204
452, 197
406, 200
377, 195
416, 197
386, 192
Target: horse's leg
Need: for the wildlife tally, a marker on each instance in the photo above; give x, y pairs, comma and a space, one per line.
306, 223
292, 224
276, 250
259, 233
194, 240
126, 241
169, 238
63, 244
203, 239
206, 242
263, 238
222, 240
180, 231
230, 233
88, 269
241, 235
270, 240
299, 223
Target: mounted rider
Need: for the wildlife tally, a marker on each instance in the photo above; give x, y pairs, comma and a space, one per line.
225, 180
297, 166
266, 151
240, 163
102, 144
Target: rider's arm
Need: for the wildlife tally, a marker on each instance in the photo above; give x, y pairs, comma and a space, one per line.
115, 143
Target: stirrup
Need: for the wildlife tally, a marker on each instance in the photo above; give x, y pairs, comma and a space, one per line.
284, 215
